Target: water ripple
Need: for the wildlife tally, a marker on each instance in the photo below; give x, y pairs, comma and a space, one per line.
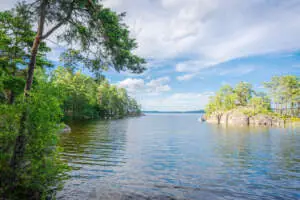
176, 157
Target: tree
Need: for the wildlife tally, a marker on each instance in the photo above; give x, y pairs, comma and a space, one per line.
259, 105
284, 91
102, 38
16, 39
243, 91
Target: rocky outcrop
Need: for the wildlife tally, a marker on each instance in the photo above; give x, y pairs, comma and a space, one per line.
238, 118
65, 129
278, 122
214, 118
260, 120
266, 120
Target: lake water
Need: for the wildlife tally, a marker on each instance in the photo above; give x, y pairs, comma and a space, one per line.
174, 156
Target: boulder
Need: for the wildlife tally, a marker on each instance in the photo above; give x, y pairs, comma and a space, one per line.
236, 118
203, 118
261, 120
65, 129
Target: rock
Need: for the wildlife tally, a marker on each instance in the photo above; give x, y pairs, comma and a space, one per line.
203, 118
261, 120
224, 118
65, 129
236, 117
276, 121
214, 118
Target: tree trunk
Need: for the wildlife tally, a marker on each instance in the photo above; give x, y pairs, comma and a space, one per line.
20, 144
11, 98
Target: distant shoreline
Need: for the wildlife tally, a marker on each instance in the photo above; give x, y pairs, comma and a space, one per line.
174, 112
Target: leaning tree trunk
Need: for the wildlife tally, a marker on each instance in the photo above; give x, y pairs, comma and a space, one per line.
20, 143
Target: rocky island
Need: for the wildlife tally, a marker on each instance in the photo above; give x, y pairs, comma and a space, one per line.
242, 106
236, 117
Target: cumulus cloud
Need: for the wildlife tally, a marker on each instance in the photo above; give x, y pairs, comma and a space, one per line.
153, 87
178, 102
132, 84
158, 85
208, 32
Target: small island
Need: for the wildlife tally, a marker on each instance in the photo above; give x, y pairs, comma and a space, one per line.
243, 106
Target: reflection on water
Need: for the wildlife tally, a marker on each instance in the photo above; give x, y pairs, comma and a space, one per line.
176, 157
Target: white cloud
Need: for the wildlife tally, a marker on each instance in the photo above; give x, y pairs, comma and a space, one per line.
132, 85
139, 87
238, 71
211, 31
193, 66
159, 85
177, 102
187, 77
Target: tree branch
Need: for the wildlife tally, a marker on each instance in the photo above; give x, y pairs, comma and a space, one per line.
64, 20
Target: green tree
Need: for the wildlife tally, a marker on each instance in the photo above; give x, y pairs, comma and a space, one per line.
259, 105
102, 37
102, 40
15, 41
284, 91
244, 92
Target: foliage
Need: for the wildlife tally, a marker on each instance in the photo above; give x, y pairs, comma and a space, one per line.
99, 34
86, 98
16, 39
41, 169
243, 91
284, 92
29, 158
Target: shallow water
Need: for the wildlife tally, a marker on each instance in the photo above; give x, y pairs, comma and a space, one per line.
174, 156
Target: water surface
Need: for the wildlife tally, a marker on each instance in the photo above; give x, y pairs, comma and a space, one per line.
174, 156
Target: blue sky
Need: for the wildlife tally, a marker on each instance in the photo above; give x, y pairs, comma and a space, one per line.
195, 46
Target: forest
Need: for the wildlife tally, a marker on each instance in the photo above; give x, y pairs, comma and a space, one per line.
282, 98
37, 96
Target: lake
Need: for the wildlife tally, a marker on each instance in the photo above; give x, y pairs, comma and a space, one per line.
174, 156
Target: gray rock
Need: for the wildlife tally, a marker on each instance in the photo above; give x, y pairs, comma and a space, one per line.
203, 118
65, 129
214, 118
261, 120
237, 118
224, 118
278, 122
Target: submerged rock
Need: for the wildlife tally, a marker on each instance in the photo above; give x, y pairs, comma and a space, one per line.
65, 129
203, 118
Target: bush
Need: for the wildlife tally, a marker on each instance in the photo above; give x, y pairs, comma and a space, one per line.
42, 169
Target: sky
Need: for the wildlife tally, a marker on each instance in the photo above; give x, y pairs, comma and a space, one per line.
193, 47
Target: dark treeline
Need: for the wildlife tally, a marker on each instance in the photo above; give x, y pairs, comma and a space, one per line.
87, 98
36, 96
